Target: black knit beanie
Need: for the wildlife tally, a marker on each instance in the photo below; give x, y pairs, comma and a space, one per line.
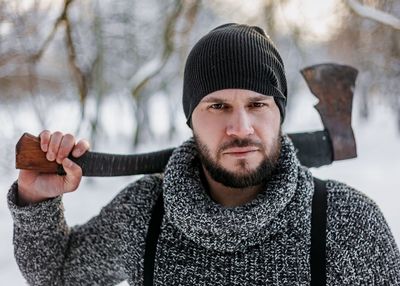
234, 56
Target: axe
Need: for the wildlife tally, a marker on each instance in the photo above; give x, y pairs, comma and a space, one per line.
332, 84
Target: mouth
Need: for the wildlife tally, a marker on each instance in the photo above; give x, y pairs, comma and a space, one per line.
240, 151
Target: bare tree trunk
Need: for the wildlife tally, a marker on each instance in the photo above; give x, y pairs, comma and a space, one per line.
142, 122
35, 95
398, 121
141, 79
98, 72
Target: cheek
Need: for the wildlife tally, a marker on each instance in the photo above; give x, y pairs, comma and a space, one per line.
206, 124
208, 128
267, 129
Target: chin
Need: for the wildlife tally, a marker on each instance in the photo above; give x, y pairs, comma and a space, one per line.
241, 170
242, 166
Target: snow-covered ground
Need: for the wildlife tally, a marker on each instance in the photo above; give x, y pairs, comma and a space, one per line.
375, 171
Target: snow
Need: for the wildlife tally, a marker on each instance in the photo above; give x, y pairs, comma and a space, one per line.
374, 172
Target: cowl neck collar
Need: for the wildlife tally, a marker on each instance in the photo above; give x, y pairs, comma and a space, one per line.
191, 210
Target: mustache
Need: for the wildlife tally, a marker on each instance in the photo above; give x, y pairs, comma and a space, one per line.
241, 143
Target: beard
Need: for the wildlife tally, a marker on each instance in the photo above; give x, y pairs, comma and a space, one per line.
246, 177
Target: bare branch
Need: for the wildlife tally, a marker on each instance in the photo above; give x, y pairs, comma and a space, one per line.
190, 16
79, 75
50, 37
374, 14
152, 68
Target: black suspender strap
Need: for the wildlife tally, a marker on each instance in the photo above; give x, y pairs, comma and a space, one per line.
318, 234
318, 237
151, 241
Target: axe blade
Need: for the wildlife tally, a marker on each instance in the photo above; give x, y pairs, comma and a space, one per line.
333, 85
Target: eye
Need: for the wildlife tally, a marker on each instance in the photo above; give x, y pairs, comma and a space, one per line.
257, 104
217, 106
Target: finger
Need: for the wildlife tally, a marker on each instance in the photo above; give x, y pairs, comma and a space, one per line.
66, 145
73, 175
44, 140
54, 145
80, 148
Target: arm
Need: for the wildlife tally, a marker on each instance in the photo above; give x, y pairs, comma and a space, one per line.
360, 246
104, 251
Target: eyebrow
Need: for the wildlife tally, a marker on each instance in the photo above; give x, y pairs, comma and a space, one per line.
252, 99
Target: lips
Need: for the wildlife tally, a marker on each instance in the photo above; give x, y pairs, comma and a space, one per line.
240, 151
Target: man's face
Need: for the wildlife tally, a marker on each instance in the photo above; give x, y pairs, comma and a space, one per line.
237, 133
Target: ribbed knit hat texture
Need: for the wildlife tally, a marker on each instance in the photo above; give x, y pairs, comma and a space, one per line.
234, 56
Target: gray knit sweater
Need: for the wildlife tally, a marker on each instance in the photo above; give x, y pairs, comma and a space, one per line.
264, 242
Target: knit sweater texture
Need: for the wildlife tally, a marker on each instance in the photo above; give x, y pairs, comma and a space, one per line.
264, 242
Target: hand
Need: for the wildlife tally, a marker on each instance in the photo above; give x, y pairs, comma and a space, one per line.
34, 187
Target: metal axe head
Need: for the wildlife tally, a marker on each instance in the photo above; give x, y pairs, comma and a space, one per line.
333, 85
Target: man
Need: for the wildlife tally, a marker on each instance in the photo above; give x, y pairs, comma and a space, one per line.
237, 201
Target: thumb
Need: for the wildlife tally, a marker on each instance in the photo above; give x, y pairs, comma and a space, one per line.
73, 175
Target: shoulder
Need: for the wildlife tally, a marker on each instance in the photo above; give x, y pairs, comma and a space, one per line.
138, 198
350, 210
146, 188
344, 198
360, 245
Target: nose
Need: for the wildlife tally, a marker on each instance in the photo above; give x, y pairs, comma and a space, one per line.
240, 124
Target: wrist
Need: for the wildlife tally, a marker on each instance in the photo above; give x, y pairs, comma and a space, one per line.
26, 197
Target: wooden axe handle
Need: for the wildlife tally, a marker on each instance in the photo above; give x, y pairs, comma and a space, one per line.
29, 155
314, 150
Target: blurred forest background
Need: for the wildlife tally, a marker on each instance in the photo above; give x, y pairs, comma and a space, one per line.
111, 72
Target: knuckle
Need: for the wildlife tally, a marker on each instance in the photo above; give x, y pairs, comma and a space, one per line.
57, 134
69, 137
67, 143
78, 171
44, 133
73, 184
55, 142
85, 144
74, 168
44, 136
52, 147
82, 146
61, 155
76, 174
